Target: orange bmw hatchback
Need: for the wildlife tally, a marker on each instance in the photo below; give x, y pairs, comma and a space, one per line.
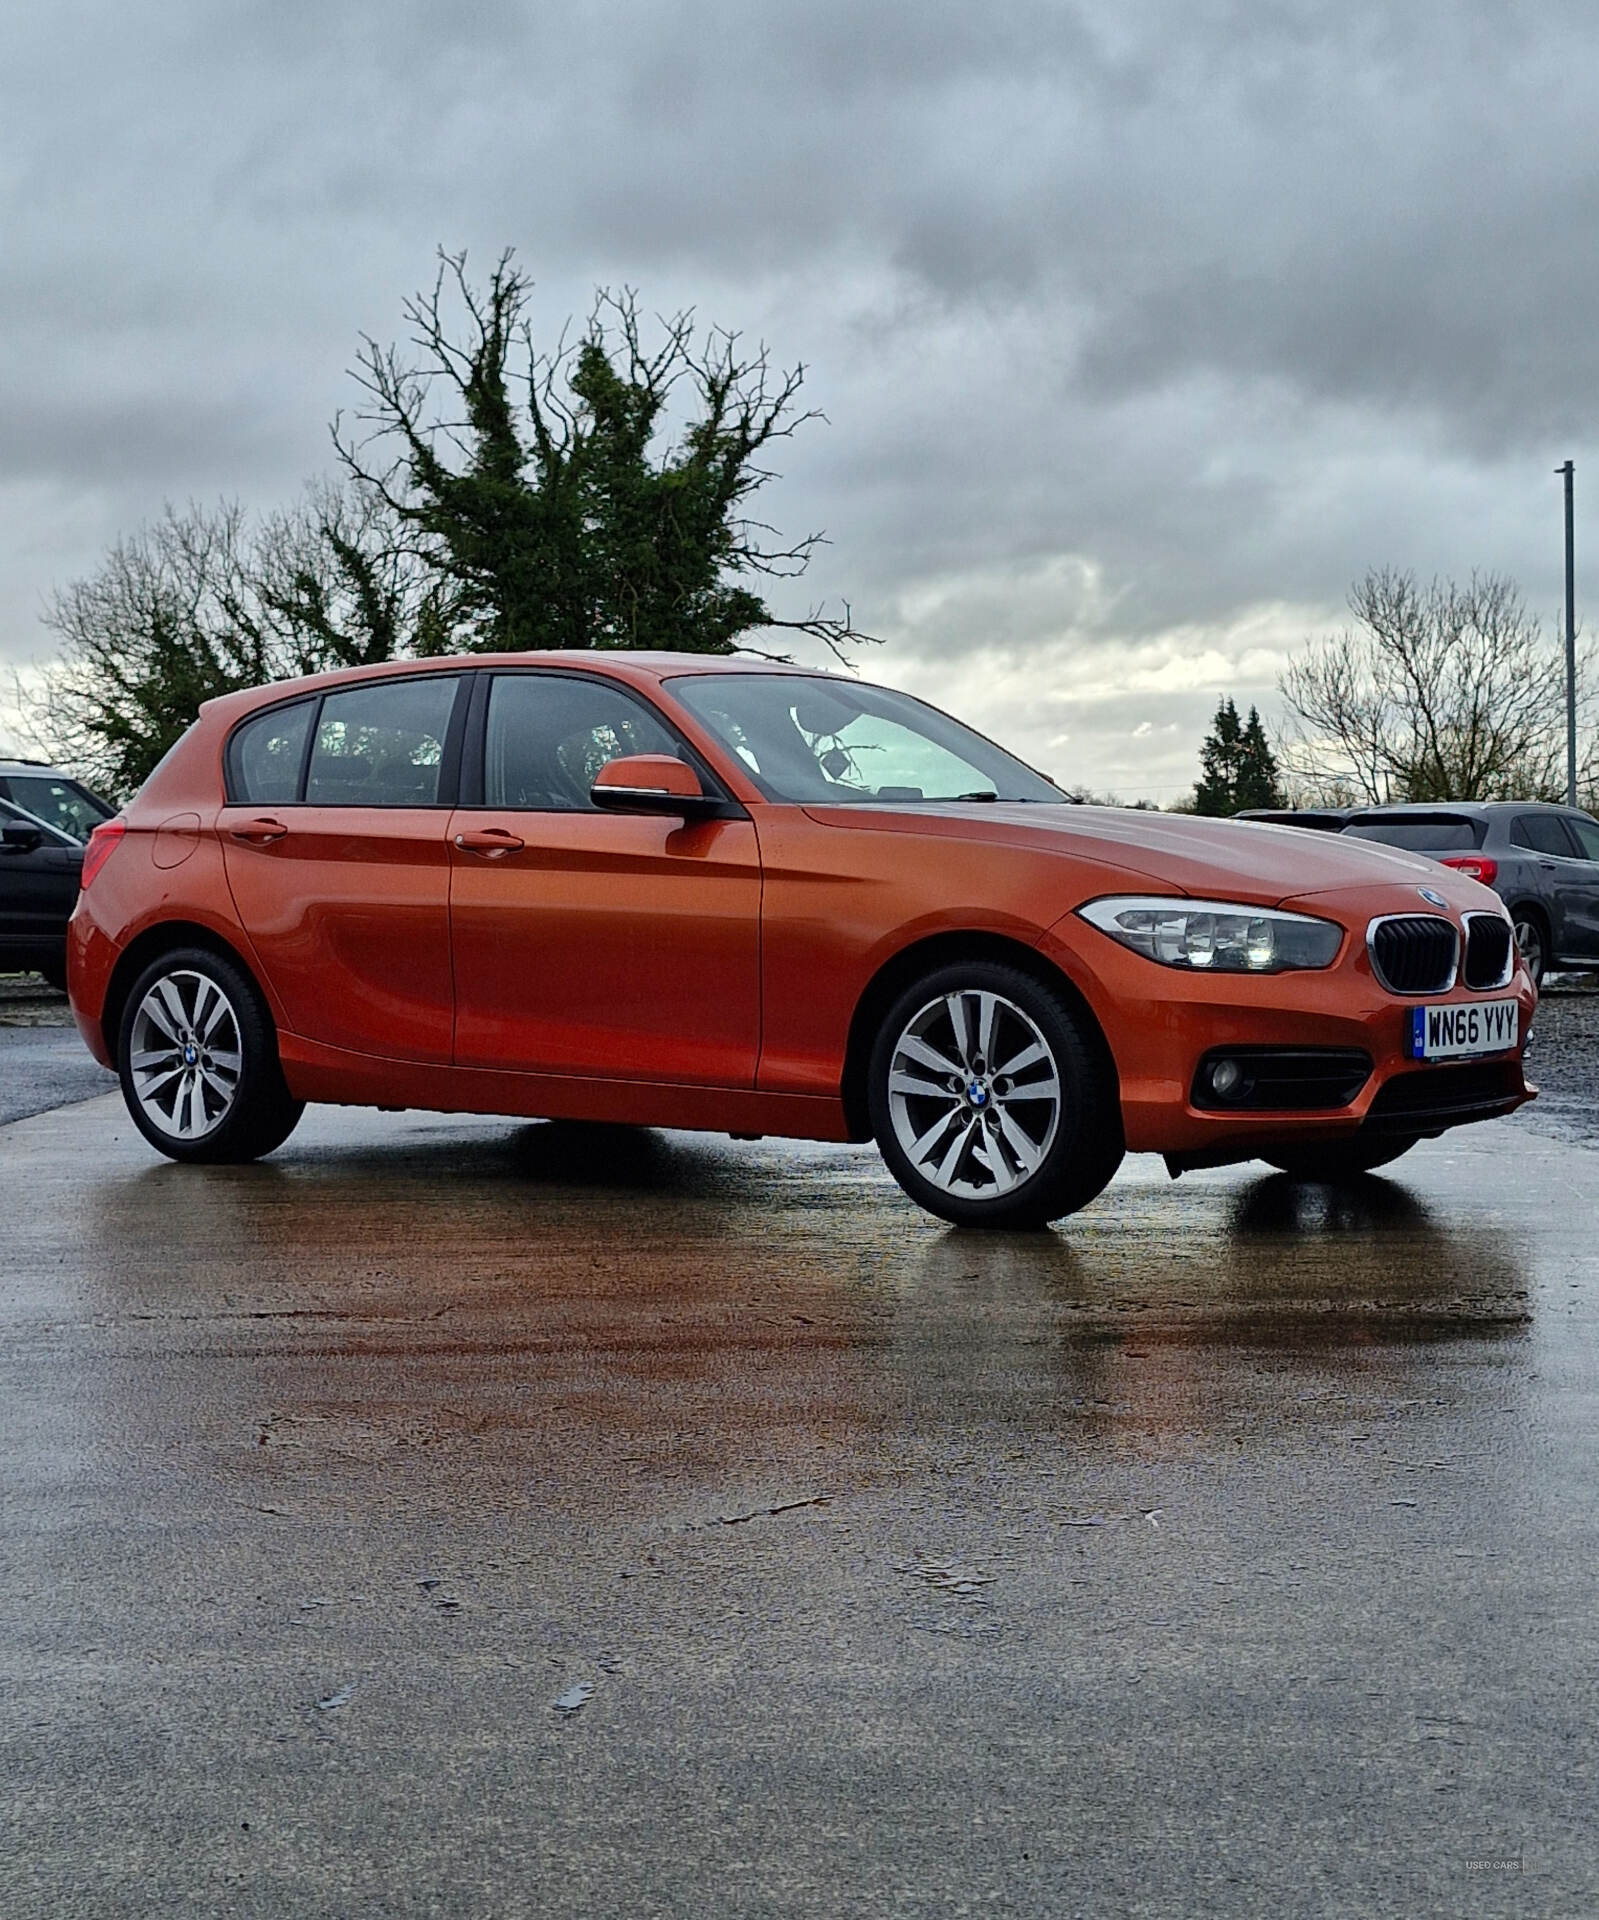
684, 891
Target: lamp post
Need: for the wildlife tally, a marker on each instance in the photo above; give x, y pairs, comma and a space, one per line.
1569, 470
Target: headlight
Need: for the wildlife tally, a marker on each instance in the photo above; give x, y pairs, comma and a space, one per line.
1216, 936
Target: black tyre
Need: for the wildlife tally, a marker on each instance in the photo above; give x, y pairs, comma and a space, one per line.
1532, 937
54, 973
198, 1058
1340, 1160
991, 1103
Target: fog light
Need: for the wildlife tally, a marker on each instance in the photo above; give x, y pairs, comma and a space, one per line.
1226, 1079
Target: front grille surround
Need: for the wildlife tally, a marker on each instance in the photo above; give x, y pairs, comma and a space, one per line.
1490, 952
1414, 953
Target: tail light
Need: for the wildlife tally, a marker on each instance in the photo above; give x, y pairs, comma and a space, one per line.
102, 844
1475, 866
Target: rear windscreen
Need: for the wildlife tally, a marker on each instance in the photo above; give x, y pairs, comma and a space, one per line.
1421, 836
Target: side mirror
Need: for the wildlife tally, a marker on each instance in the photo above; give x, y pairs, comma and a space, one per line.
653, 783
21, 838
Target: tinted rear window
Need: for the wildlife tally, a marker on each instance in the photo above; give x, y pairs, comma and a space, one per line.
1421, 836
382, 745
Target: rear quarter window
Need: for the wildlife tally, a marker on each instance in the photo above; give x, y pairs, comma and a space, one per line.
1543, 833
265, 756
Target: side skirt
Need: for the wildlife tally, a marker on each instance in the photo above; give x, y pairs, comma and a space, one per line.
335, 1077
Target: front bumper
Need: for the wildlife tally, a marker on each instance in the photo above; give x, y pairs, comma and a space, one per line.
1161, 1022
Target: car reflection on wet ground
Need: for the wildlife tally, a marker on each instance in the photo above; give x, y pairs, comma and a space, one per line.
453, 1516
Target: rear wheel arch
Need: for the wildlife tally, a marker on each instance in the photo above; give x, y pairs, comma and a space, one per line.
168, 937
927, 956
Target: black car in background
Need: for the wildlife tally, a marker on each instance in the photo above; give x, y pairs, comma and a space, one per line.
1542, 860
39, 869
53, 797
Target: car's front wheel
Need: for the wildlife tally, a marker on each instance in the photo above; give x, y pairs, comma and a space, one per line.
198, 1060
991, 1101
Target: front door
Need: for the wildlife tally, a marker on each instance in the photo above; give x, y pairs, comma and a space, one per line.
623, 946
335, 844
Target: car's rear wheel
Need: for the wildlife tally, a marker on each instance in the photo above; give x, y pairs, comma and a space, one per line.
1533, 942
991, 1102
1340, 1159
198, 1059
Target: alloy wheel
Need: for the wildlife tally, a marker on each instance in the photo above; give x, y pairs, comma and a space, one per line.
1529, 938
974, 1094
186, 1055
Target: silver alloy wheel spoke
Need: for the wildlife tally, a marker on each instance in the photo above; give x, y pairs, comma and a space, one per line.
915, 1048
974, 1131
987, 1014
186, 1055
956, 1002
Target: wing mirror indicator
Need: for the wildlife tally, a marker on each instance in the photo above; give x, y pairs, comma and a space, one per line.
653, 783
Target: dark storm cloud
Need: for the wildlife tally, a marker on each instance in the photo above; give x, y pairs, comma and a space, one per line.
1208, 306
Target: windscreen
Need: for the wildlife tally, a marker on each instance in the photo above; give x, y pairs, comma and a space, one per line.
1421, 836
832, 743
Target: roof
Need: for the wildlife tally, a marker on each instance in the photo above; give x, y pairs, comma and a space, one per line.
619, 662
1473, 809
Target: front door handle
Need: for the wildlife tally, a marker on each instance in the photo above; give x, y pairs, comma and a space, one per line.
259, 833
491, 842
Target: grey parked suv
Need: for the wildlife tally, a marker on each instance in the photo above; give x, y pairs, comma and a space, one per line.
1542, 861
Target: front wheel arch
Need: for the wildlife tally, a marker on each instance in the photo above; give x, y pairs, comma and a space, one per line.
928, 956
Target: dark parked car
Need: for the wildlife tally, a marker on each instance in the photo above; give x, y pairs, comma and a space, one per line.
39, 869
1542, 861
53, 797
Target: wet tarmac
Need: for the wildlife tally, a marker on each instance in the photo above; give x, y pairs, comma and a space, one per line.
452, 1517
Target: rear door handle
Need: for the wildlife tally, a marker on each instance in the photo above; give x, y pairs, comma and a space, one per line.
259, 833
491, 842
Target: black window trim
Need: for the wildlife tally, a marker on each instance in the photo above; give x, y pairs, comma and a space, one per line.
449, 760
475, 724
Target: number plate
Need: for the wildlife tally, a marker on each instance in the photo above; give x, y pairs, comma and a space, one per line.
1446, 1033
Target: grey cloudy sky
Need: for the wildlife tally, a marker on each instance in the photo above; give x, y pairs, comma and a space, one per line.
1141, 328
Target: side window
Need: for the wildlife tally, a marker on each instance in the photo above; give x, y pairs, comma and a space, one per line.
1587, 832
548, 736
61, 803
1544, 833
382, 745
265, 755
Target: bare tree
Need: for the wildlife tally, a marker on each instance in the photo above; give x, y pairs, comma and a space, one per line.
553, 491
209, 600
1444, 692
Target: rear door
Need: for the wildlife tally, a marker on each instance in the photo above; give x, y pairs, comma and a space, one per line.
334, 837
1562, 876
1584, 885
622, 946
